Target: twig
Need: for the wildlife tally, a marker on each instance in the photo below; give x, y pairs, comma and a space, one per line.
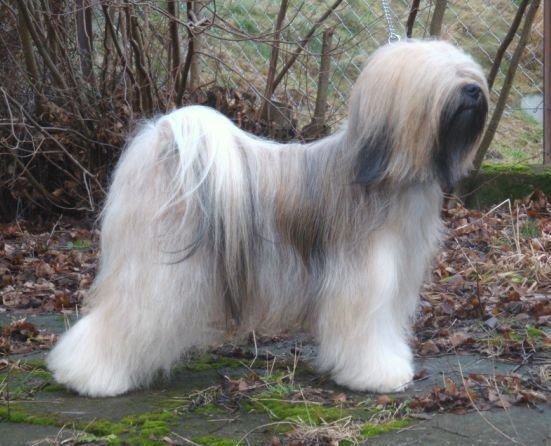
255, 350
44, 132
269, 91
493, 426
506, 42
187, 440
113, 33
304, 42
53, 229
411, 17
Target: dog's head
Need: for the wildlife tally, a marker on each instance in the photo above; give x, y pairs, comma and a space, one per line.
417, 113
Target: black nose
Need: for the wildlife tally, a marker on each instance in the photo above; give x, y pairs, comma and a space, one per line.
472, 90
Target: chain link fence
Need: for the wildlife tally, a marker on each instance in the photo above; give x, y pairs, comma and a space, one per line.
75, 79
236, 52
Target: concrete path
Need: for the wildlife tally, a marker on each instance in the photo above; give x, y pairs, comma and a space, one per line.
41, 412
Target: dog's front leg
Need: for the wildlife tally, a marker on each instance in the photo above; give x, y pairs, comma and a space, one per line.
362, 325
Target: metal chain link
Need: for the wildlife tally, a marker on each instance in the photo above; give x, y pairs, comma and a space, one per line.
392, 34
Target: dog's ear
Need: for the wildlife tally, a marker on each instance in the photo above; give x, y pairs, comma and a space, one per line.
373, 158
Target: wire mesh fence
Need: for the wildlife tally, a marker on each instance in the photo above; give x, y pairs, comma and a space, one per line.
75, 77
237, 48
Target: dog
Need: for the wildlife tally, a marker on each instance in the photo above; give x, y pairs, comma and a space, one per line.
208, 229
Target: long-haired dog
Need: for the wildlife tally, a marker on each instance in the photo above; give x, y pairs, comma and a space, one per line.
208, 227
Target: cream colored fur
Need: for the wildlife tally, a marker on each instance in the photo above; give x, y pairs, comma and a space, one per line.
207, 228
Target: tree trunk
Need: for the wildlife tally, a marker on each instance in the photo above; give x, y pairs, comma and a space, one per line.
438, 18
172, 8
30, 60
85, 39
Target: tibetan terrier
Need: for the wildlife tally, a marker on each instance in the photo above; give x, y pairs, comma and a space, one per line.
208, 228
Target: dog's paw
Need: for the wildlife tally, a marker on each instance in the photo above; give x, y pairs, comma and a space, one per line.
94, 383
393, 374
80, 362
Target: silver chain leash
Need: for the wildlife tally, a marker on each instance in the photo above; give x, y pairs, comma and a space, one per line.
392, 34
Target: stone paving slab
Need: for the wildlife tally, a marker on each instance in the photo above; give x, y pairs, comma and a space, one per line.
517, 425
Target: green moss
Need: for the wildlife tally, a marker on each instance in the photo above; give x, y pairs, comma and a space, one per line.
209, 361
371, 430
142, 441
505, 168
155, 428
172, 405
34, 364
532, 335
305, 369
146, 429
43, 374
140, 429
214, 441
103, 427
15, 414
54, 388
534, 332
498, 182
209, 409
276, 389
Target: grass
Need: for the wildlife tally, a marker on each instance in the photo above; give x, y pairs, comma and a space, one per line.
278, 408
519, 139
530, 230
211, 440
371, 430
79, 245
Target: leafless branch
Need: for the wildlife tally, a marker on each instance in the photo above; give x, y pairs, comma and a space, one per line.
304, 42
39, 43
506, 42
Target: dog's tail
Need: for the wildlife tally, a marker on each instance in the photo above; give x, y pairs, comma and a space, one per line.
198, 170
214, 176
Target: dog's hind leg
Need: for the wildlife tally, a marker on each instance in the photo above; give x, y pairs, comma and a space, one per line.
149, 303
362, 330
134, 331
